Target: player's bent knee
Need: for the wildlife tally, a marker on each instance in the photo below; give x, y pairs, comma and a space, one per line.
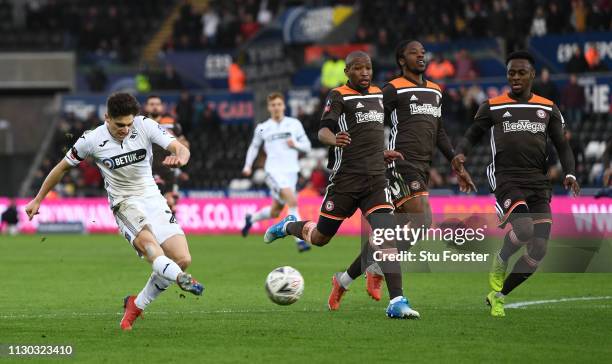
184, 261
319, 239
537, 249
523, 228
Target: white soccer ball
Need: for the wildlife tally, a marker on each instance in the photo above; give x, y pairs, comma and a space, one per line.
284, 285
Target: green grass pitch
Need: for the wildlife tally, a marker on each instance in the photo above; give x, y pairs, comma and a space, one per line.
69, 290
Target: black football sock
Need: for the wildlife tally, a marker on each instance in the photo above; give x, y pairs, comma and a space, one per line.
356, 268
521, 271
296, 228
394, 284
509, 248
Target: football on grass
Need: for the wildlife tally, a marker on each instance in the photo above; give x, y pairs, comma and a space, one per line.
284, 285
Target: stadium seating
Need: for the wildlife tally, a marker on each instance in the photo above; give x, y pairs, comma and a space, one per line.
113, 28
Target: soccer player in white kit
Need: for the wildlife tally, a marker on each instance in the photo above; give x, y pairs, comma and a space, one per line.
122, 149
283, 139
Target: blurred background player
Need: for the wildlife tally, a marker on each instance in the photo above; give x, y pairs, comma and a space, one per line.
283, 139
121, 148
165, 177
10, 218
352, 127
413, 105
520, 123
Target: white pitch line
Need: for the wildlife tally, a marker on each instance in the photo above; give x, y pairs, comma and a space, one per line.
197, 312
543, 302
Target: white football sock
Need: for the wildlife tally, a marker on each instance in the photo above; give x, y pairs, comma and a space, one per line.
295, 212
262, 214
166, 268
396, 299
345, 280
154, 287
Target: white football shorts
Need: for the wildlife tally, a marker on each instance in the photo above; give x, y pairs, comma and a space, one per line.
279, 180
136, 213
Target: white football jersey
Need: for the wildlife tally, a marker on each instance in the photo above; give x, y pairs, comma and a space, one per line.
125, 166
274, 135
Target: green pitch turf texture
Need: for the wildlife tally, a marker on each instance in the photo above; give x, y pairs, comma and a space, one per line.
70, 289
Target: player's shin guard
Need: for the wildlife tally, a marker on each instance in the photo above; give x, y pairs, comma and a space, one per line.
154, 287
166, 268
523, 269
301, 229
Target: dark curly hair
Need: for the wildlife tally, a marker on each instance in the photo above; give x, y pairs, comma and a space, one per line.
122, 104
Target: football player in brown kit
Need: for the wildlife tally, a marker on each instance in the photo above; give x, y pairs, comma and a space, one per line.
166, 178
413, 106
352, 126
519, 124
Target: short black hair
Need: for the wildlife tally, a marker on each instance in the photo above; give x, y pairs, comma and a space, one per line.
122, 104
400, 49
521, 55
152, 96
351, 57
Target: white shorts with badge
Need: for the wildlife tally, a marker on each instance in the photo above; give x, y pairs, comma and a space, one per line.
278, 181
136, 213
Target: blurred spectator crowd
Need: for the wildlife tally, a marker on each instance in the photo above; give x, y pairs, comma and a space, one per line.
112, 29
223, 24
443, 20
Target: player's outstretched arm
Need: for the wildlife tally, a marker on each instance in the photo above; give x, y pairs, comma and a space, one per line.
180, 155
54, 177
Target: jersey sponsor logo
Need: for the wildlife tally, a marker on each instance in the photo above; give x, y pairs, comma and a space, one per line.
276, 136
541, 114
125, 159
372, 115
524, 125
426, 109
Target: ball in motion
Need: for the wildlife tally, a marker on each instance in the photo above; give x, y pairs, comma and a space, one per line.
284, 285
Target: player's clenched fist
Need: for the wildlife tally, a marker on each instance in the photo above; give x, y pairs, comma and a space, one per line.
173, 161
343, 139
32, 208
